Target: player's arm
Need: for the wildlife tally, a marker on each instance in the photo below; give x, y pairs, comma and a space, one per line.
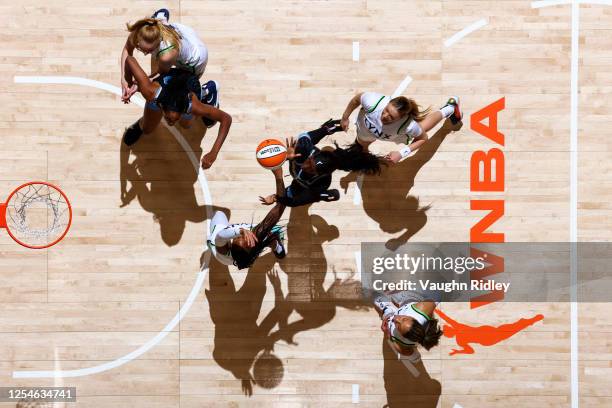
418, 138
305, 197
328, 128
146, 87
352, 105
234, 231
163, 61
225, 122
127, 84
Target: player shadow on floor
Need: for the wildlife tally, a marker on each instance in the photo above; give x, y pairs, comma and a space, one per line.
241, 345
306, 268
403, 388
163, 179
246, 348
386, 198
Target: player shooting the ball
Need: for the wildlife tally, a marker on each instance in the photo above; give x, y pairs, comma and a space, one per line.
312, 167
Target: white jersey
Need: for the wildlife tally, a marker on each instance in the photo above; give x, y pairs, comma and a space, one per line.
370, 127
408, 309
194, 54
221, 234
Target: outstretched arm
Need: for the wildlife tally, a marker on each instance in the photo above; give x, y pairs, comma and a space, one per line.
352, 105
146, 87
128, 88
397, 156
225, 121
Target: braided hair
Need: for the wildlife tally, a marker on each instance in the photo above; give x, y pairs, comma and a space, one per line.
351, 158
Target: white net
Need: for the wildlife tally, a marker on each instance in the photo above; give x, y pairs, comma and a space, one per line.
37, 215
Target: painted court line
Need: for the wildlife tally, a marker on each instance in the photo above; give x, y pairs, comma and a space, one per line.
355, 51
195, 290
355, 394
467, 30
402, 86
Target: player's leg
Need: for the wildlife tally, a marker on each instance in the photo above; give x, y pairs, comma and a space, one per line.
146, 124
451, 110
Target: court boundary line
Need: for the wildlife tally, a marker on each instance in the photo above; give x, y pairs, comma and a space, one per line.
199, 282
458, 36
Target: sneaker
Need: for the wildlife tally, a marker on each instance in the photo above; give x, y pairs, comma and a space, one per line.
332, 126
162, 14
457, 115
330, 195
210, 96
132, 134
282, 253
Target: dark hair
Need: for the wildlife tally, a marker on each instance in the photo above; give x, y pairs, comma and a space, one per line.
244, 257
352, 158
427, 335
175, 92
409, 107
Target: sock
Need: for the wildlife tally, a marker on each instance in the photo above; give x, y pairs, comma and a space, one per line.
447, 111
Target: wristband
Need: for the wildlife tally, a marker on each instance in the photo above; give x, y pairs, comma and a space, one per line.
405, 152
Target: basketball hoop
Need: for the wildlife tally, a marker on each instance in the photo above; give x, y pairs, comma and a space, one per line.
36, 215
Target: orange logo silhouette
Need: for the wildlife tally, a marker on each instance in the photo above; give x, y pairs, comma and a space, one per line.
483, 335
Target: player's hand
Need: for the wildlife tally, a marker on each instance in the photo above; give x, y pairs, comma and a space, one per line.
247, 387
393, 157
344, 123
133, 89
249, 237
274, 279
268, 200
291, 154
208, 160
125, 89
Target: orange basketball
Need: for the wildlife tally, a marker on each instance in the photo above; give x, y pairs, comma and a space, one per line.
271, 154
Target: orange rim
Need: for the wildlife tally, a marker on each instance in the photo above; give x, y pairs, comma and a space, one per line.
25, 244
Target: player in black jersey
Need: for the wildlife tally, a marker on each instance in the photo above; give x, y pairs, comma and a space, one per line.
312, 167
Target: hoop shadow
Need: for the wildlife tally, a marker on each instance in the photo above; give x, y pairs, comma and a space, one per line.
386, 197
162, 178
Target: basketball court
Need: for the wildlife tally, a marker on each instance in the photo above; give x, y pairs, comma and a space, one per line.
129, 308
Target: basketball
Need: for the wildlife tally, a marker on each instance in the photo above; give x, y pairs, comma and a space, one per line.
271, 154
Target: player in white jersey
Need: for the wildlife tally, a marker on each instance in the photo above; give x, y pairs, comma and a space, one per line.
240, 244
397, 120
407, 320
169, 45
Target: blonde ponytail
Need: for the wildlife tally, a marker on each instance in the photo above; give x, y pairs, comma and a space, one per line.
409, 107
151, 30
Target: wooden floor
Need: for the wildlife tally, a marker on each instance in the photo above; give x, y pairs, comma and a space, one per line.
123, 272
